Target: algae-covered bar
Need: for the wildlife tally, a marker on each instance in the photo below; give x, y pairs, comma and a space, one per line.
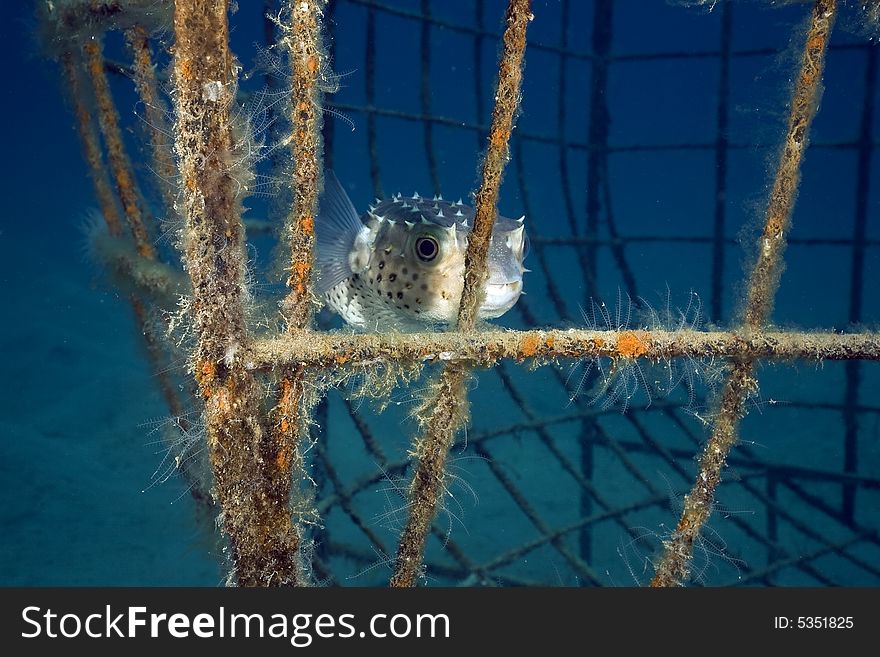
329, 453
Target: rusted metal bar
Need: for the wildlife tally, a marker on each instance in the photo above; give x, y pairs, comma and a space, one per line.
70, 71
507, 96
283, 448
673, 566
446, 408
108, 119
484, 348
307, 62
144, 75
151, 279
264, 543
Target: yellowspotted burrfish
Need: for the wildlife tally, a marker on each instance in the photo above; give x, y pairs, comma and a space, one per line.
400, 266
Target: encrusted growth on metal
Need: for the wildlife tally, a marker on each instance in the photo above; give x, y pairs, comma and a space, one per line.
673, 566
307, 62
255, 515
257, 443
486, 348
445, 410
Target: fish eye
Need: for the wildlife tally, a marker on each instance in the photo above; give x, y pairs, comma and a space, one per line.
427, 248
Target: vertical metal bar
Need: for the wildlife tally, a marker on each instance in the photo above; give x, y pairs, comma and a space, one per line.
120, 167
308, 64
110, 211
282, 450
674, 565
446, 407
507, 97
148, 89
89, 139
256, 517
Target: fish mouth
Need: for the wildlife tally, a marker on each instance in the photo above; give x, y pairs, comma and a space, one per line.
500, 297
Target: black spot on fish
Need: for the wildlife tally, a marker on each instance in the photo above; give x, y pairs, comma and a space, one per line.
381, 264
400, 295
392, 277
389, 295
418, 300
424, 286
378, 278
406, 305
404, 271
415, 276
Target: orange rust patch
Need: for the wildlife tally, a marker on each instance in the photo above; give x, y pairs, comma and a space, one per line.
123, 181
205, 374
529, 346
774, 226
630, 345
308, 225
341, 359
283, 458
599, 342
550, 341
222, 397
301, 273
286, 388
186, 69
312, 64
285, 425
499, 138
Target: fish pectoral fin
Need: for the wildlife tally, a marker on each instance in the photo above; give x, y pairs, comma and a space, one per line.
336, 229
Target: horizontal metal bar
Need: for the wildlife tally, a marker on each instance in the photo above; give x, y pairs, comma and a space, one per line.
485, 348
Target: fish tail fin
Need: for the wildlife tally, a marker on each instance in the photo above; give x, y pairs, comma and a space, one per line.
336, 228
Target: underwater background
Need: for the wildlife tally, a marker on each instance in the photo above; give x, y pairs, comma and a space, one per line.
85, 496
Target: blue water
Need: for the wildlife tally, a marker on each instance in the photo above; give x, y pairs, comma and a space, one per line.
78, 463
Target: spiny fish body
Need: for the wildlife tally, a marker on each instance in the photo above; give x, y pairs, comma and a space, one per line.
401, 265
